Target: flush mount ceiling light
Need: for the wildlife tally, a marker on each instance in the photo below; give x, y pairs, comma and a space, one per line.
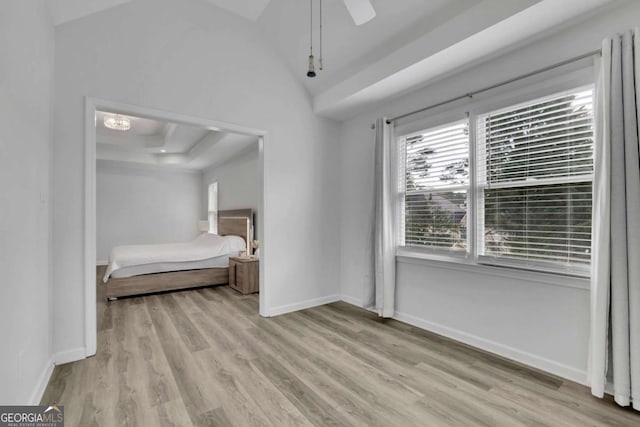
117, 122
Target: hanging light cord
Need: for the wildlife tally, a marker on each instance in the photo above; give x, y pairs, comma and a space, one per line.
311, 27
311, 70
320, 35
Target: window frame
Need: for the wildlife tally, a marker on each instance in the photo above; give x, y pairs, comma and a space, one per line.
400, 144
517, 93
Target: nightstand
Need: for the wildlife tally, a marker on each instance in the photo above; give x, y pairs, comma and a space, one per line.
244, 274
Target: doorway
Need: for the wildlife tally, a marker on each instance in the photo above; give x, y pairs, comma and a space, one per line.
92, 108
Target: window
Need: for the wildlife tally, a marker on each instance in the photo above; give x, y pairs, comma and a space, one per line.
533, 165
213, 208
436, 179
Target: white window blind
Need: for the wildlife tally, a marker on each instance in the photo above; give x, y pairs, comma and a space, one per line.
535, 172
434, 180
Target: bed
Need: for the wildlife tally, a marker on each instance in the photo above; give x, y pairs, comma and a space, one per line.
144, 269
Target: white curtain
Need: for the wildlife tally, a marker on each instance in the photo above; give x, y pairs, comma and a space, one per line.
615, 272
381, 295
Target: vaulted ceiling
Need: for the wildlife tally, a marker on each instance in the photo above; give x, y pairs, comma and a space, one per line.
348, 48
409, 44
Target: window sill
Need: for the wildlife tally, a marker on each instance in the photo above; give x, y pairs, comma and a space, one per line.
407, 256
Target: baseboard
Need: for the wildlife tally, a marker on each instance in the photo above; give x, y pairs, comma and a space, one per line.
288, 308
41, 384
514, 354
102, 262
69, 356
352, 300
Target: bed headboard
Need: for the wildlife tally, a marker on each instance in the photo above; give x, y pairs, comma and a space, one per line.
237, 222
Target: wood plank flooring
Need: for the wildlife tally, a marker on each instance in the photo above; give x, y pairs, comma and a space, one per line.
206, 358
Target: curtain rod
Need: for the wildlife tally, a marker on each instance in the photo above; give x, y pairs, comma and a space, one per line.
506, 82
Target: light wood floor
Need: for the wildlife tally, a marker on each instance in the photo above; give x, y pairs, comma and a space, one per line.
204, 357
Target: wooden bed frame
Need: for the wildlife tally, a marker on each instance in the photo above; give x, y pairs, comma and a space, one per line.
232, 222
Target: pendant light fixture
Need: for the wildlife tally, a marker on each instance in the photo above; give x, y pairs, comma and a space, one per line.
312, 71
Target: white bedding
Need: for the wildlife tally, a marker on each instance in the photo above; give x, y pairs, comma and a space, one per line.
203, 247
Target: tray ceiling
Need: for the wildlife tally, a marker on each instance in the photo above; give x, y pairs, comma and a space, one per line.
160, 143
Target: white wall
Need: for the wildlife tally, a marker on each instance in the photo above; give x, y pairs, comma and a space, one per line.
184, 56
137, 204
539, 319
26, 77
239, 184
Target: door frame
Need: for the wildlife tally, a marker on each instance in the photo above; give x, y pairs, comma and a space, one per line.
96, 104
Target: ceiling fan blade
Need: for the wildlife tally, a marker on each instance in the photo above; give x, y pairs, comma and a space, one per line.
361, 10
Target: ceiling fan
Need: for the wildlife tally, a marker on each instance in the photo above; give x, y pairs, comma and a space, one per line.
361, 10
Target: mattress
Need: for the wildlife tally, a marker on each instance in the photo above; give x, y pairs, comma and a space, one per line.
203, 248
164, 267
